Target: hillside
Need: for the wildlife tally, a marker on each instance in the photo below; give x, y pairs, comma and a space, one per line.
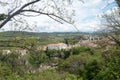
10, 39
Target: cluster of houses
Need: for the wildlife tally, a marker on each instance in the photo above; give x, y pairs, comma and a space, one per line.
90, 42
59, 46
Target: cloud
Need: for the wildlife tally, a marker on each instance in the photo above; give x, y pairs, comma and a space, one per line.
87, 14
86, 18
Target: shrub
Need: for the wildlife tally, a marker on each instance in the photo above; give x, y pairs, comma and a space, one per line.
49, 75
36, 58
110, 70
91, 70
78, 50
67, 53
74, 64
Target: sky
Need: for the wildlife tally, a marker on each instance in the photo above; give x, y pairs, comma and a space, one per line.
86, 18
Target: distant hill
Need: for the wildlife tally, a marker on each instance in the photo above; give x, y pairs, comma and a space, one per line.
23, 33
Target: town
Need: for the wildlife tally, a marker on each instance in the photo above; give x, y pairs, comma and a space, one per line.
87, 40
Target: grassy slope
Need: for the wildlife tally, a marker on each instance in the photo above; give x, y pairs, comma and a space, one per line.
8, 39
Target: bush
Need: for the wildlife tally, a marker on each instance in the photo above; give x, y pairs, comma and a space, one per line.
55, 53
110, 70
4, 71
67, 53
36, 58
49, 75
74, 64
91, 70
78, 50
54, 75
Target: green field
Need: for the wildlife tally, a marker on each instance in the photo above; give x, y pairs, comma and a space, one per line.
11, 39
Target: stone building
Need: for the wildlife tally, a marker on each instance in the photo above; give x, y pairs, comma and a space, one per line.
57, 46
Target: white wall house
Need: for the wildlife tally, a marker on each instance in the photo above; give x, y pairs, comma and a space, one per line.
6, 52
57, 46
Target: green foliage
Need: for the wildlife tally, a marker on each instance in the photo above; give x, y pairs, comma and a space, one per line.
85, 63
8, 38
72, 40
78, 50
49, 75
51, 53
75, 67
74, 64
14, 63
4, 71
55, 53
54, 75
71, 77
111, 69
14, 76
36, 58
30, 44
67, 53
91, 70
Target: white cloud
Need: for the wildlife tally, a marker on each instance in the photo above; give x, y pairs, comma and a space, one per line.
87, 14
85, 20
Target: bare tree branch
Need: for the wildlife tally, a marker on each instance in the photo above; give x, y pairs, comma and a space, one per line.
16, 13
55, 19
58, 12
48, 14
28, 15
